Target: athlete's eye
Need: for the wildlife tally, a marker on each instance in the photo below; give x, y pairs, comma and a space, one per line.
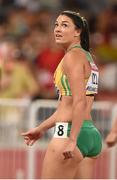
56, 25
64, 25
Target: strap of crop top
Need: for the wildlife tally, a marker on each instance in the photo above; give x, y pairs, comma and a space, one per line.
89, 57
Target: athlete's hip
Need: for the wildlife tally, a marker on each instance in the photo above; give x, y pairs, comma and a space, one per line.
88, 141
62, 129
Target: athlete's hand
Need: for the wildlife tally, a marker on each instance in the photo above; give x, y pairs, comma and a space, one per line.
32, 135
69, 150
111, 139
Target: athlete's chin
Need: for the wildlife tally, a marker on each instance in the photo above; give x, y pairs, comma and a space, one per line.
58, 42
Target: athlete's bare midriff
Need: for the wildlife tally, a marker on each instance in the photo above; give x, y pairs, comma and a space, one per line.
65, 109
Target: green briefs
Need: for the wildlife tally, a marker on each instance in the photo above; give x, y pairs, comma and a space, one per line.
89, 140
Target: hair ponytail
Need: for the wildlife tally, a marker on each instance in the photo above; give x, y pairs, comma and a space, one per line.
84, 36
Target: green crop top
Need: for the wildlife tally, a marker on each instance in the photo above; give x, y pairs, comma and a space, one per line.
62, 84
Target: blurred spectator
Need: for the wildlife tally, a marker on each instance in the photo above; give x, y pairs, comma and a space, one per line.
29, 22
108, 77
86, 5
54, 5
17, 25
6, 2
104, 44
108, 82
31, 5
105, 39
17, 79
46, 63
36, 5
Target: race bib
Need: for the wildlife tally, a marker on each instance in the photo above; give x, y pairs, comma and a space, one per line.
61, 130
92, 84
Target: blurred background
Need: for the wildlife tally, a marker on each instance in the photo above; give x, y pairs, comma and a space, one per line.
28, 59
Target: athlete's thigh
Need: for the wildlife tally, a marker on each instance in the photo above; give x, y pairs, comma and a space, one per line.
85, 168
54, 165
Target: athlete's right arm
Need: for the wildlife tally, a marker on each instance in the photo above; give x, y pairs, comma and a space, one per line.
34, 134
48, 123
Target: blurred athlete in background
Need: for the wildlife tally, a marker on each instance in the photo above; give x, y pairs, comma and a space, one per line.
111, 138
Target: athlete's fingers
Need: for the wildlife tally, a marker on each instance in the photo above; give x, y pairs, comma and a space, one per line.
26, 138
31, 142
25, 133
27, 141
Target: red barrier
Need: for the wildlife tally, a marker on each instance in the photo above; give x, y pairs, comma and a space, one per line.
13, 164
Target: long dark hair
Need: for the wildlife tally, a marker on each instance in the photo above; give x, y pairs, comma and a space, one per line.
80, 23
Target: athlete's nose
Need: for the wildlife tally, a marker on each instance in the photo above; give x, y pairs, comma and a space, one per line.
58, 28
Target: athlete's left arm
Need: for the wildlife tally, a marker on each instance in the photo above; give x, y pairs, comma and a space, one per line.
74, 69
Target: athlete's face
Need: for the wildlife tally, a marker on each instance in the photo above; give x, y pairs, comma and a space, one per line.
65, 31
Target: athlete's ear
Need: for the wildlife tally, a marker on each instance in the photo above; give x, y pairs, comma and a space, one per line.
77, 33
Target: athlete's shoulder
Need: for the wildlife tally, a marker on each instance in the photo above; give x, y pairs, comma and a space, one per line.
74, 57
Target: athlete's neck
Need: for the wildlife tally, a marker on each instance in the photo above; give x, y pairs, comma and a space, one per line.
72, 46
67, 47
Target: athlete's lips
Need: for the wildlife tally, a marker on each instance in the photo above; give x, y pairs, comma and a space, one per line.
58, 35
